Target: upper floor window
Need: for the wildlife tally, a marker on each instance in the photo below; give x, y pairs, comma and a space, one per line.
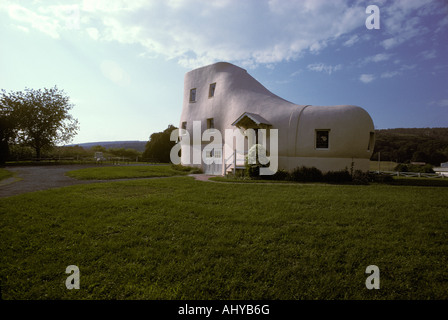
193, 95
211, 90
322, 139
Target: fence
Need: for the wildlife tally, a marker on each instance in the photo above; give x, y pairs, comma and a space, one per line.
409, 174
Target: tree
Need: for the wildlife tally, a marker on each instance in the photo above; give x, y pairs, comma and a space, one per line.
8, 123
40, 118
159, 145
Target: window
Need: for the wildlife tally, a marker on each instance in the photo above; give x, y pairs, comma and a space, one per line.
193, 95
184, 125
210, 123
211, 90
371, 141
322, 139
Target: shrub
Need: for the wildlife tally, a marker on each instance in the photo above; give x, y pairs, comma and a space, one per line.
380, 178
252, 171
280, 175
306, 174
360, 177
252, 162
340, 176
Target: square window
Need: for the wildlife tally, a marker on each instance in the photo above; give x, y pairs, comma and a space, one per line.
193, 95
322, 139
211, 90
210, 123
184, 125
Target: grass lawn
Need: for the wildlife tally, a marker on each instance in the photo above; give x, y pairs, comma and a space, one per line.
177, 238
5, 174
108, 173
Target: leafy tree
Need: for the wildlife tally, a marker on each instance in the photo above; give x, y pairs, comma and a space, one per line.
8, 124
159, 145
41, 118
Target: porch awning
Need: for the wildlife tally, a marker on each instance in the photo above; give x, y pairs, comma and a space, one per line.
251, 121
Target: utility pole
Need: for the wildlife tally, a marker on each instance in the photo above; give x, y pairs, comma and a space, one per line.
379, 161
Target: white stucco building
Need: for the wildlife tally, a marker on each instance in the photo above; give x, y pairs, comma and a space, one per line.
224, 96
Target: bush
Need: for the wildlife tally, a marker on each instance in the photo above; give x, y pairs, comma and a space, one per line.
252, 162
281, 175
341, 176
380, 178
306, 174
253, 171
360, 177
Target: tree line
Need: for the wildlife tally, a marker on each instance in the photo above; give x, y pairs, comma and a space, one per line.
406, 145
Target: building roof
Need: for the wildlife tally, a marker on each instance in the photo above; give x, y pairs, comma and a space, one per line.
246, 118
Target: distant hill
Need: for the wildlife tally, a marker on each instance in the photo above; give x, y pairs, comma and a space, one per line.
136, 145
401, 145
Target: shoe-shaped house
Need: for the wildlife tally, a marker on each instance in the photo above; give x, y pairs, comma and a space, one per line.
223, 96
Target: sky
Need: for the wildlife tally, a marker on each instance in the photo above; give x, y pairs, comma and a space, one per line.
122, 63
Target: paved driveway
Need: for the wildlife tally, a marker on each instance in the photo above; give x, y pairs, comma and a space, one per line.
35, 178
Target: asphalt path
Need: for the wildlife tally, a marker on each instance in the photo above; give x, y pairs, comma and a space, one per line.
36, 178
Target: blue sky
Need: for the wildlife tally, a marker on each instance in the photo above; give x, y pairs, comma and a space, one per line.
123, 62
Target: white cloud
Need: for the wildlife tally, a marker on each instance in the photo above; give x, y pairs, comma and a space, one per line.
195, 32
114, 72
400, 71
429, 54
40, 22
401, 20
380, 57
320, 67
351, 41
440, 103
367, 78
377, 58
251, 32
389, 74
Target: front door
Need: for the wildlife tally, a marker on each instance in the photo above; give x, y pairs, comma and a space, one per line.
213, 161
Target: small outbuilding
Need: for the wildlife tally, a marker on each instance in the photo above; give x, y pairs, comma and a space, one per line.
223, 96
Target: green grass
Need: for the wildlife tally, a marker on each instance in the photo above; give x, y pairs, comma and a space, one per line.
177, 238
397, 181
246, 180
5, 174
122, 172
